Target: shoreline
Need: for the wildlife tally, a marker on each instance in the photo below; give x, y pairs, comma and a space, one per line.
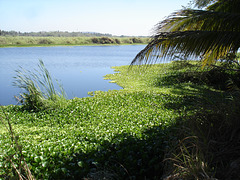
29, 41
58, 45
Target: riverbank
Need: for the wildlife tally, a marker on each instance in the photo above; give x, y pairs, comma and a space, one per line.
26, 41
161, 123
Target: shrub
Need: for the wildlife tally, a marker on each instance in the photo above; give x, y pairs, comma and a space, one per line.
137, 40
95, 40
117, 41
45, 41
106, 40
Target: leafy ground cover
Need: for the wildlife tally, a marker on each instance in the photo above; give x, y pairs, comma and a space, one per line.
125, 134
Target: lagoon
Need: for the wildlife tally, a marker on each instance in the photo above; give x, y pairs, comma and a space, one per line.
80, 69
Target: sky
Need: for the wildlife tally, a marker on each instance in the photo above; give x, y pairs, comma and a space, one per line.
116, 17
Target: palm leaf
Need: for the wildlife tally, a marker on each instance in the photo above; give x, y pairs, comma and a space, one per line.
202, 3
208, 44
230, 6
189, 19
209, 34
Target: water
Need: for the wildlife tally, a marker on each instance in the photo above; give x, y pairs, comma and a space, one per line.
79, 68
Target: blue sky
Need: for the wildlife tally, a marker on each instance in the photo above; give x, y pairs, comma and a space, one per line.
117, 17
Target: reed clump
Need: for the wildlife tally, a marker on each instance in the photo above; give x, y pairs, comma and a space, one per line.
39, 92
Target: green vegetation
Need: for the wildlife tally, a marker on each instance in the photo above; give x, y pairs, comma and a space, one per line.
16, 158
169, 120
173, 121
19, 41
39, 91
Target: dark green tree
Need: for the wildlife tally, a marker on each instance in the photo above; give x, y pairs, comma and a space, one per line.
212, 33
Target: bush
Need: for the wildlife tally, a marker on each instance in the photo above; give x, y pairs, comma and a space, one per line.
137, 40
106, 40
103, 40
95, 40
117, 41
45, 41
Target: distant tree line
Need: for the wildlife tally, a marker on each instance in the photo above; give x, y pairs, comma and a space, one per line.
53, 34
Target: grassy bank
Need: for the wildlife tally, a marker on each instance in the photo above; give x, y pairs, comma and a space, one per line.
166, 115
22, 41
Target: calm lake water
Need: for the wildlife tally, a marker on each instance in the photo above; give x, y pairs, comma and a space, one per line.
79, 68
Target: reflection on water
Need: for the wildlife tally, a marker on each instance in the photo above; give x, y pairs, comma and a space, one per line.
79, 68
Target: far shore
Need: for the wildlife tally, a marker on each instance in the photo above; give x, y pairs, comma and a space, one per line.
55, 45
30, 41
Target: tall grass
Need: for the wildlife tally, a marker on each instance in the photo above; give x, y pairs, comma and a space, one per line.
38, 89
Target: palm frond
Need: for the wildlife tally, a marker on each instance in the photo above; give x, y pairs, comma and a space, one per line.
209, 34
189, 19
211, 45
230, 6
202, 3
218, 5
